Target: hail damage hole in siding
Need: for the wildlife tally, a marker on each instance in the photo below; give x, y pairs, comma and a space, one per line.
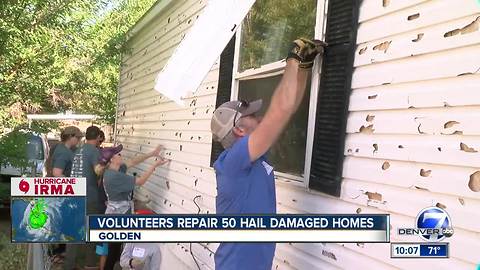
440, 205
439, 149
474, 183
466, 148
370, 118
366, 130
461, 201
359, 210
413, 16
374, 196
425, 173
419, 130
375, 148
470, 28
382, 46
362, 245
329, 255
357, 150
181, 147
362, 50
418, 38
385, 165
386, 3
400, 146
167, 183
420, 188
372, 97
450, 124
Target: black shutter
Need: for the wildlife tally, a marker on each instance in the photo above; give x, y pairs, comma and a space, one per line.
334, 92
224, 88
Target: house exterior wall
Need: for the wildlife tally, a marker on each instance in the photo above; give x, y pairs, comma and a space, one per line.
411, 139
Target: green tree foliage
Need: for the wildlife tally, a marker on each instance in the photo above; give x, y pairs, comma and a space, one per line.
58, 55
269, 28
13, 147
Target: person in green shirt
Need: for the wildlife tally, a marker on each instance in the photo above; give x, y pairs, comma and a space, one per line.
59, 164
85, 159
63, 155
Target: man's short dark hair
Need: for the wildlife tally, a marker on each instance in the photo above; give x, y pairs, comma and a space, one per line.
92, 133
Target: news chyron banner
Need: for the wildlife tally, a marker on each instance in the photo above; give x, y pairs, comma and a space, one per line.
240, 228
48, 209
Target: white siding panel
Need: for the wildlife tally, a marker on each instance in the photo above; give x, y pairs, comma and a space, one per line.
450, 92
149, 136
443, 179
300, 260
440, 121
167, 25
207, 87
452, 34
370, 9
150, 105
418, 16
447, 150
451, 63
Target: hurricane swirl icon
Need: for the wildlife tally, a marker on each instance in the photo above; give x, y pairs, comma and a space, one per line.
23, 186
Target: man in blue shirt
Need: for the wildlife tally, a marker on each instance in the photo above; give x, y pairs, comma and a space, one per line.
245, 179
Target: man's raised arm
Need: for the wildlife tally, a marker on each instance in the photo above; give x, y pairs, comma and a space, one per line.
286, 98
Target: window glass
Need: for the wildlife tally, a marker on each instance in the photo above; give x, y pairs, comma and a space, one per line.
288, 154
271, 26
35, 148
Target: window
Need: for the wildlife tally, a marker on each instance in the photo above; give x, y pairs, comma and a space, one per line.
35, 148
266, 35
288, 154
269, 28
251, 66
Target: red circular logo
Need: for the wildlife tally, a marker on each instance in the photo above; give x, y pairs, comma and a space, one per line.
23, 186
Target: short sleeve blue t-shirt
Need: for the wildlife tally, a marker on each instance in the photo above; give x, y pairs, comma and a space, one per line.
244, 187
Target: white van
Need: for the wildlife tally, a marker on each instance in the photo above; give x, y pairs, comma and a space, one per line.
37, 153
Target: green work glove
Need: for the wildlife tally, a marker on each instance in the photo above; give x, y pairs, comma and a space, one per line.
305, 50
136, 263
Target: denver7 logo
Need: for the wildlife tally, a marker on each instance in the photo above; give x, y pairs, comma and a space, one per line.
434, 218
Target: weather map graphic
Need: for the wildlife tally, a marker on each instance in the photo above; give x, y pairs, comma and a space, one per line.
48, 219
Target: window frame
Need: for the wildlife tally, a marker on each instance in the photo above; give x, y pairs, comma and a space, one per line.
278, 68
